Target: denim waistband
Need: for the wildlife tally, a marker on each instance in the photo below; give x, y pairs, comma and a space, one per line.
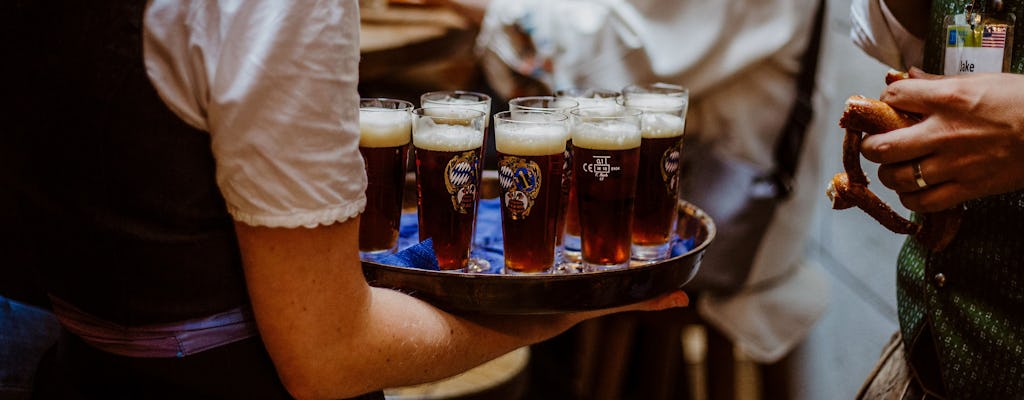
175, 339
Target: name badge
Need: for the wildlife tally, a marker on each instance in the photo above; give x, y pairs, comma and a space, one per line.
976, 42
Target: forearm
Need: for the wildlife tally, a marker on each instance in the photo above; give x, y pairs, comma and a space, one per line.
424, 344
392, 340
331, 335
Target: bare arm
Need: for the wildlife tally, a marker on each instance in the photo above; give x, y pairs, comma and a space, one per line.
331, 335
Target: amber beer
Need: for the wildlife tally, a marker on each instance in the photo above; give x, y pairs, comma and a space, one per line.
662, 126
585, 98
447, 145
531, 146
560, 105
606, 154
385, 128
465, 100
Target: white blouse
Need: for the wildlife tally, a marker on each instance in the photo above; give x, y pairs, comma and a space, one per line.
275, 85
733, 56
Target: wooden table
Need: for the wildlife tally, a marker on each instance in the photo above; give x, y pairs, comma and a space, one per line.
413, 49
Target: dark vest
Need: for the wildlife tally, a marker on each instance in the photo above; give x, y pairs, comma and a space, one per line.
962, 309
116, 194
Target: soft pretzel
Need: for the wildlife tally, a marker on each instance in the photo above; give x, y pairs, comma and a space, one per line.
872, 116
850, 188
894, 75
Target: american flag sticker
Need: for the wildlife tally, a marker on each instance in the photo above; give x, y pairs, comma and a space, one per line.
994, 36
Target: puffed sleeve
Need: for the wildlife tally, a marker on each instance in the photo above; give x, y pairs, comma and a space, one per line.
275, 85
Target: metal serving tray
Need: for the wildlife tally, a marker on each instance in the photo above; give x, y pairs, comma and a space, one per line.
554, 293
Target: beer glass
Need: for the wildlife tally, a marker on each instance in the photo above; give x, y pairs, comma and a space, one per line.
606, 155
543, 103
531, 147
458, 98
657, 190
590, 97
560, 105
470, 100
385, 129
447, 142
595, 100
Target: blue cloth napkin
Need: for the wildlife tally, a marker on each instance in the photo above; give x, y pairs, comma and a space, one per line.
487, 245
420, 255
683, 246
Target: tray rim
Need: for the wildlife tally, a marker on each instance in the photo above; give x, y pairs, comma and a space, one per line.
430, 285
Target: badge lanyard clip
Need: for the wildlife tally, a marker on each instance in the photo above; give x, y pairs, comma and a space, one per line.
972, 18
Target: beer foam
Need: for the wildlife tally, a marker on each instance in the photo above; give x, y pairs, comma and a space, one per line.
449, 102
660, 125
447, 137
606, 135
530, 139
383, 127
543, 103
655, 102
598, 106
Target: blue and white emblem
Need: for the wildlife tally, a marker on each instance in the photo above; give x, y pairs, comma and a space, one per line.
460, 179
520, 181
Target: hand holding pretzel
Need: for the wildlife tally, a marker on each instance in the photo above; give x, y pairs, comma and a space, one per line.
850, 188
948, 140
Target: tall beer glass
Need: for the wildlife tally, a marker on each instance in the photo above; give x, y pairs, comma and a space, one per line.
385, 129
585, 98
657, 196
447, 142
606, 154
560, 105
531, 151
474, 101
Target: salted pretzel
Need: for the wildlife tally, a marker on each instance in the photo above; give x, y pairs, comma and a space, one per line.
850, 188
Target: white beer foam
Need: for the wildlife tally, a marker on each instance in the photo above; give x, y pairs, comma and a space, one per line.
606, 135
530, 139
429, 136
478, 105
655, 102
598, 106
594, 102
659, 125
383, 127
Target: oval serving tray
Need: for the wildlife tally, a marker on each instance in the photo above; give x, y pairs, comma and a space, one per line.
556, 293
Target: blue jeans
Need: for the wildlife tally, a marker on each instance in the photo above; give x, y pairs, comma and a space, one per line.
26, 333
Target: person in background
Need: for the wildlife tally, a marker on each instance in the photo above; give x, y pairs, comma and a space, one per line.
960, 321
189, 185
740, 61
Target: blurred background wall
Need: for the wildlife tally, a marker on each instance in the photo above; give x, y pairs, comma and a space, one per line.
858, 254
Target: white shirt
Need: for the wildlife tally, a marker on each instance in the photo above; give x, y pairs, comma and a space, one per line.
736, 58
275, 85
731, 55
875, 30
